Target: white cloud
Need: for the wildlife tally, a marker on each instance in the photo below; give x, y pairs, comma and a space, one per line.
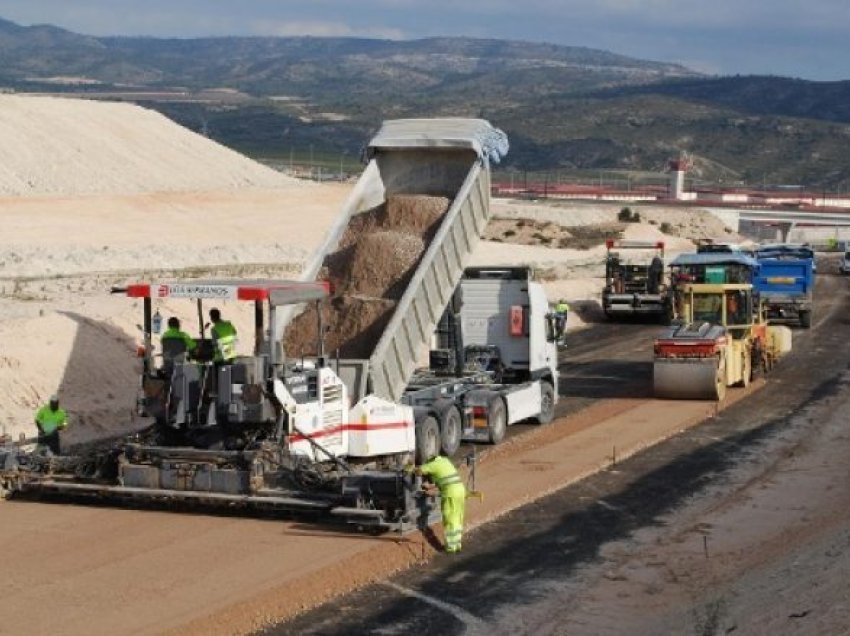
319, 28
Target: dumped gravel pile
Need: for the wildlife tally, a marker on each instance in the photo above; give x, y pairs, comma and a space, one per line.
399, 253
369, 272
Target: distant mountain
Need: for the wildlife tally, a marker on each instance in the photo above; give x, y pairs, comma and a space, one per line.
308, 66
758, 95
564, 108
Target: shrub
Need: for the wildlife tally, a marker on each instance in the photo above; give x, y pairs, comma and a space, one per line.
665, 228
627, 216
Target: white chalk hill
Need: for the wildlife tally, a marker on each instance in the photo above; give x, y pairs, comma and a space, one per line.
62, 146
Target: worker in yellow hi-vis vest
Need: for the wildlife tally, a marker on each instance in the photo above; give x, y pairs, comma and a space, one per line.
562, 309
444, 475
224, 336
49, 420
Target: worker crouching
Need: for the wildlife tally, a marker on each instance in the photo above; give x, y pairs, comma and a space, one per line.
445, 477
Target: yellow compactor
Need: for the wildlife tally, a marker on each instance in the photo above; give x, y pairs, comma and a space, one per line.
720, 339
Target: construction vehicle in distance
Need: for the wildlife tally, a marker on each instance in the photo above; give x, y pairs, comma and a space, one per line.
712, 267
785, 282
720, 337
331, 436
634, 285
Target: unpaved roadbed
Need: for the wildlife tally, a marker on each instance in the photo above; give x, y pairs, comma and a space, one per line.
145, 572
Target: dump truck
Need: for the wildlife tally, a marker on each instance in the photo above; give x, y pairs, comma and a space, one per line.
438, 158
634, 284
324, 434
785, 282
720, 336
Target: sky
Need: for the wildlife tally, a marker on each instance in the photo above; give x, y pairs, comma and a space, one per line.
809, 39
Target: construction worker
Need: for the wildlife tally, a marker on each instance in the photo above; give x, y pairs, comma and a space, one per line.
224, 336
174, 333
562, 309
445, 477
49, 420
734, 309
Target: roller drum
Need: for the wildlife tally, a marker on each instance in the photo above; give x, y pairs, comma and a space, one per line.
689, 379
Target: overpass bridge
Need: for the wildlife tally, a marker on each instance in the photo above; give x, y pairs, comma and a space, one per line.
784, 220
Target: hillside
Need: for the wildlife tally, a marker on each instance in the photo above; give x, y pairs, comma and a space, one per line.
305, 66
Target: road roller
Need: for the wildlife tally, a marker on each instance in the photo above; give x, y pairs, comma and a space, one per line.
720, 339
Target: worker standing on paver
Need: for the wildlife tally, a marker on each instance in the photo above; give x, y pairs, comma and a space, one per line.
445, 477
49, 420
224, 336
174, 333
562, 309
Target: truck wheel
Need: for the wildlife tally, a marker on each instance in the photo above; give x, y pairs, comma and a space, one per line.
497, 420
806, 319
451, 431
547, 403
427, 439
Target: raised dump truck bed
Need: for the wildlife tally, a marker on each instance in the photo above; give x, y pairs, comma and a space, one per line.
425, 191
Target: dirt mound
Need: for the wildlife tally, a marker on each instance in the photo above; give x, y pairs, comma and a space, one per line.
377, 256
381, 264
408, 213
354, 326
414, 212
64, 146
551, 234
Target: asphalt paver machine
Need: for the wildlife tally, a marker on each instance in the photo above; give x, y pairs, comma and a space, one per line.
260, 430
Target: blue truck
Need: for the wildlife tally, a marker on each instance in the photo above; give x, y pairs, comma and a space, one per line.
785, 282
